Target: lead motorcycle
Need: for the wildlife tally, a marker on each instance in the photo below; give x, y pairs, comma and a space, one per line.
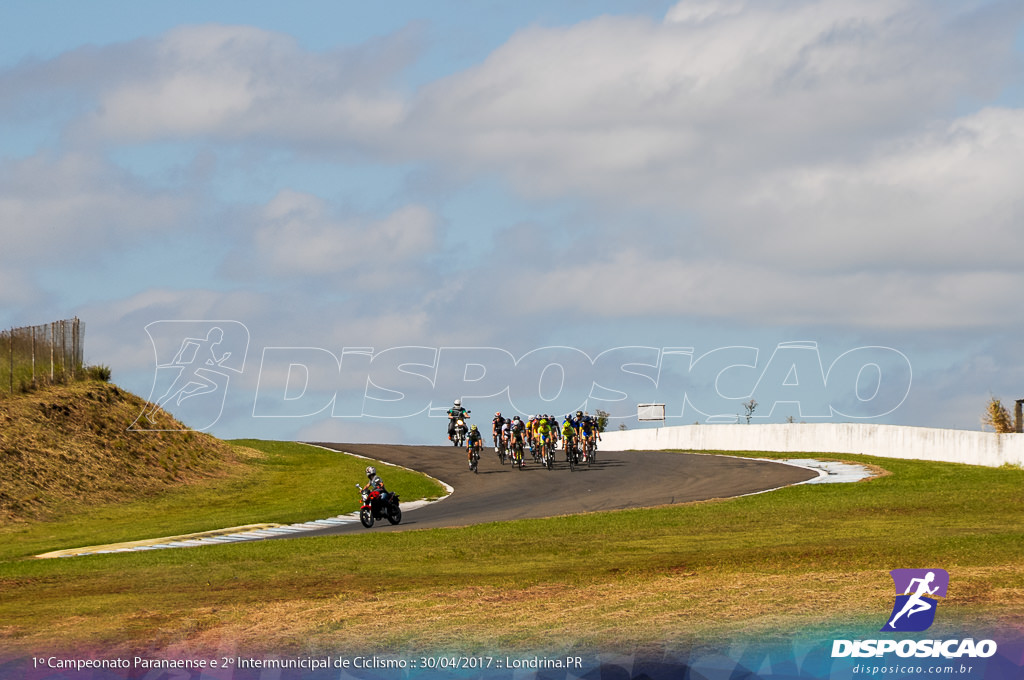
459, 433
373, 508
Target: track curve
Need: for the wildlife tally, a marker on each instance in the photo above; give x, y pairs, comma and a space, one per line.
616, 480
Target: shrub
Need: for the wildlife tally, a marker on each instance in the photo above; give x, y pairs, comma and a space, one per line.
101, 373
997, 417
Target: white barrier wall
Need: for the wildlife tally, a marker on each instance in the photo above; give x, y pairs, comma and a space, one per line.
889, 441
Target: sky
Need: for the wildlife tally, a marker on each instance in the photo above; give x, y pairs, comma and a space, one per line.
532, 206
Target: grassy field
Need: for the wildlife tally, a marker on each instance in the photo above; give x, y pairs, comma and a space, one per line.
281, 483
806, 558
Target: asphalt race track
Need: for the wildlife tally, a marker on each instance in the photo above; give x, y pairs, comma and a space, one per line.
616, 480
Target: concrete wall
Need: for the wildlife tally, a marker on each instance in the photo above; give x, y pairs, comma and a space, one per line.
890, 441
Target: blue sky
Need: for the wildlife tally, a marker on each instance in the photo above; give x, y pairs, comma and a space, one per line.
522, 177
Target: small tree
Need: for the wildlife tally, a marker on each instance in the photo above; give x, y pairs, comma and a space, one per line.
602, 420
749, 409
997, 417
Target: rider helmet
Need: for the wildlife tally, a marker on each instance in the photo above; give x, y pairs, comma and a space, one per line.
579, 414
458, 402
371, 471
473, 428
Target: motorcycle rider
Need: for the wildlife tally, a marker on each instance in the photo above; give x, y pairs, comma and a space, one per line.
375, 483
455, 414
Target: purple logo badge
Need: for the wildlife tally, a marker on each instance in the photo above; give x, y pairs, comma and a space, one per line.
916, 590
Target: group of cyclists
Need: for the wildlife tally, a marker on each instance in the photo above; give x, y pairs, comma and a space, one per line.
541, 434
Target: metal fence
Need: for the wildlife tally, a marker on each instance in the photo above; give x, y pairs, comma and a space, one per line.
39, 355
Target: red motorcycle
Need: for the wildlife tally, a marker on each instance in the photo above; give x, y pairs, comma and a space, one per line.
374, 508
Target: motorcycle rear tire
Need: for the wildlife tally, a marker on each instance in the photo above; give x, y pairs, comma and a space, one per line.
366, 517
394, 514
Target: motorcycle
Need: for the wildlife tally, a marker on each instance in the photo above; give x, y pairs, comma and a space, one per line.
458, 435
373, 508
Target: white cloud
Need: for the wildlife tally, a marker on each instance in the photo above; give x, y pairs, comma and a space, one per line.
237, 82
71, 205
17, 288
647, 283
944, 199
628, 109
116, 329
299, 234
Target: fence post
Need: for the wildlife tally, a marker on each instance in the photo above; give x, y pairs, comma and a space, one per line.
33, 357
53, 342
10, 352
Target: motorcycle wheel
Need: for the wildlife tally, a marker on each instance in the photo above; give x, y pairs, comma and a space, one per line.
394, 514
366, 517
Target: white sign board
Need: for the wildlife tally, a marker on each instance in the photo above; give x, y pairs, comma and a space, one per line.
650, 412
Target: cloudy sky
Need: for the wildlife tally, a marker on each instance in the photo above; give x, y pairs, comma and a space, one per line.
813, 203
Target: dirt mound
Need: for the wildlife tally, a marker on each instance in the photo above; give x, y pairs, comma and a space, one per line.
69, 445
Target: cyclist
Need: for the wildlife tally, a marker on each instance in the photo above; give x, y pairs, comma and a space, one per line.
568, 437
502, 442
517, 433
474, 440
588, 431
496, 425
542, 434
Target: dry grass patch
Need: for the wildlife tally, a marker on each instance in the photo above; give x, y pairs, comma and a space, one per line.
615, 615
69, 446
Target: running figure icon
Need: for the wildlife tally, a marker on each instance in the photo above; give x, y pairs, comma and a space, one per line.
914, 609
195, 369
916, 603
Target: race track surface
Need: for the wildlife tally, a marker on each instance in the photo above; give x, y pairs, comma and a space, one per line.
616, 480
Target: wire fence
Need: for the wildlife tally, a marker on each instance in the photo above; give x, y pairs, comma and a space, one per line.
41, 355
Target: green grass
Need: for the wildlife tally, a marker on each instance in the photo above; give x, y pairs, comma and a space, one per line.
777, 561
290, 483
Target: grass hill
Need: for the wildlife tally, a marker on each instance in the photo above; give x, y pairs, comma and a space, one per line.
66, 446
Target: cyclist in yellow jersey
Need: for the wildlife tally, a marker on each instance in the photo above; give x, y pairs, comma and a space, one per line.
543, 432
534, 436
568, 434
